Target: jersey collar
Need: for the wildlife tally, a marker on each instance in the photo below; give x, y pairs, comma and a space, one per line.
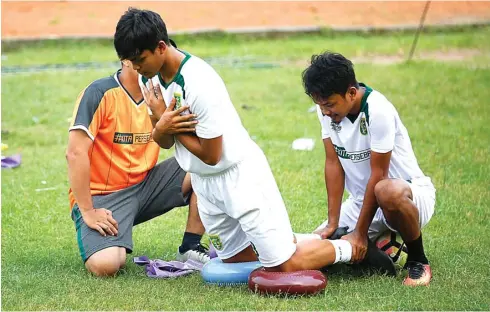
364, 103
116, 77
186, 58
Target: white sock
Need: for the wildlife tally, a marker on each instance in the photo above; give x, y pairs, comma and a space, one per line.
306, 237
343, 250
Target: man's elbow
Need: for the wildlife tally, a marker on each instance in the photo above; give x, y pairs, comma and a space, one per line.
212, 160
164, 141
166, 145
72, 154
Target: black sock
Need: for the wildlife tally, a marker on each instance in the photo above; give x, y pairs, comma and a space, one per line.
416, 251
188, 241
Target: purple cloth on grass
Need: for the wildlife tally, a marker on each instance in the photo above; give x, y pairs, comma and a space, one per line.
212, 251
167, 269
11, 161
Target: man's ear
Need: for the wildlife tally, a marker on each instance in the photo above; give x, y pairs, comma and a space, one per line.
161, 47
352, 92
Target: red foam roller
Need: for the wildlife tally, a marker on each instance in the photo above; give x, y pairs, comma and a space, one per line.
305, 282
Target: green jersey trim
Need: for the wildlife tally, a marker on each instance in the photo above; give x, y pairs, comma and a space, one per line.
78, 223
364, 104
178, 78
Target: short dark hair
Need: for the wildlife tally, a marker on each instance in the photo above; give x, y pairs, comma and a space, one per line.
329, 73
138, 30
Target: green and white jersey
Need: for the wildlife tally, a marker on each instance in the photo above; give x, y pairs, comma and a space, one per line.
377, 128
197, 85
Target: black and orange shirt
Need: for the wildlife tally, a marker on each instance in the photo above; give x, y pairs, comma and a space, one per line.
123, 150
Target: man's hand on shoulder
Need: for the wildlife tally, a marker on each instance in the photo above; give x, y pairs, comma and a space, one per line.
101, 220
171, 122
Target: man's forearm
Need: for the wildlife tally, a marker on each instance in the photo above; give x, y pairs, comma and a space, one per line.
165, 141
193, 145
334, 180
369, 206
79, 177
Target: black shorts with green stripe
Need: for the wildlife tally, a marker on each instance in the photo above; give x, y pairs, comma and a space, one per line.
158, 193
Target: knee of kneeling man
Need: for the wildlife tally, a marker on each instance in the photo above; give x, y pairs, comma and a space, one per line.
103, 267
381, 189
293, 264
389, 193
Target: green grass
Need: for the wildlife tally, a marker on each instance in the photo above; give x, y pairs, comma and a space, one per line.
444, 106
292, 47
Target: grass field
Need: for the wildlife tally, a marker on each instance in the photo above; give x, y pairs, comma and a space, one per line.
443, 105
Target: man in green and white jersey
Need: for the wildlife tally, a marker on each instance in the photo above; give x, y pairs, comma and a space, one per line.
368, 151
238, 199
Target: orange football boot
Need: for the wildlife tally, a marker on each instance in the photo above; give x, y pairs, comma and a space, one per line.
419, 274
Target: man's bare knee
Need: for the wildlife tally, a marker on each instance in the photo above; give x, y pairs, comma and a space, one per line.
246, 255
293, 264
106, 262
390, 193
103, 267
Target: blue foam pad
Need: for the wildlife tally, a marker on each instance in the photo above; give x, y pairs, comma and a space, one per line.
228, 274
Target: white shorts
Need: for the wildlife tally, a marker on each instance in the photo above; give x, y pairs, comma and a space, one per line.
424, 197
243, 205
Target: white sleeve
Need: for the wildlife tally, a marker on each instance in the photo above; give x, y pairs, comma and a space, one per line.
324, 121
205, 103
382, 128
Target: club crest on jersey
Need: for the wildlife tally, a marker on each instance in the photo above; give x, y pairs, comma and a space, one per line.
178, 100
363, 126
216, 241
335, 126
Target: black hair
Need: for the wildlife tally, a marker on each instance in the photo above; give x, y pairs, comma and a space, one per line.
329, 73
138, 30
